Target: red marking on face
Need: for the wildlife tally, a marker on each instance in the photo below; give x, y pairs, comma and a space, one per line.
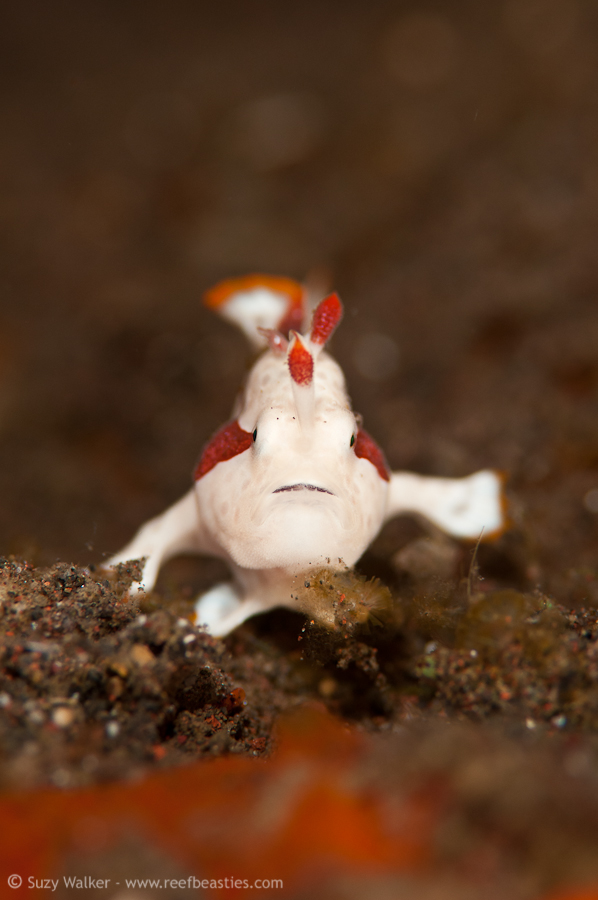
226, 443
326, 317
301, 363
366, 448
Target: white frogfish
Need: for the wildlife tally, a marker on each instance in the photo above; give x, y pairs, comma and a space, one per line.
292, 484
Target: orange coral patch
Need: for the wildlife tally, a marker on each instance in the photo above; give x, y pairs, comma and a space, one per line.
586, 893
297, 816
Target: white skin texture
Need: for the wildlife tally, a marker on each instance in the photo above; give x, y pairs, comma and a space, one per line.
337, 506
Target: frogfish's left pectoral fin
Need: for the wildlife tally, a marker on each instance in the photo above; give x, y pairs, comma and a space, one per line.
463, 507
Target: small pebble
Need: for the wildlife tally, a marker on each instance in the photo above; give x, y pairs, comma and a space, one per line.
112, 729
142, 654
327, 687
63, 716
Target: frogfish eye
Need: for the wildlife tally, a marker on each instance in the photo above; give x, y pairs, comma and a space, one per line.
254, 435
352, 440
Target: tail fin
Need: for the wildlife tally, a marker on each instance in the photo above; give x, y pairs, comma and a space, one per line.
257, 302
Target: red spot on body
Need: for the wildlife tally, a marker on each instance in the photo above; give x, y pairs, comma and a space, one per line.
326, 317
366, 448
301, 363
226, 443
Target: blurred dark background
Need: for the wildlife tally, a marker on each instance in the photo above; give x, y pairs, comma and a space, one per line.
435, 162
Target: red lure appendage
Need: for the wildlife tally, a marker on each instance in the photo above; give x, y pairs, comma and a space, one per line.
301, 363
326, 317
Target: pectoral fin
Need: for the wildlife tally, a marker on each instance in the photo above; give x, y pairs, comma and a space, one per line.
463, 507
178, 530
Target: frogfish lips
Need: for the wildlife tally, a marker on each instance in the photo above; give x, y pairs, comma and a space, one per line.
302, 487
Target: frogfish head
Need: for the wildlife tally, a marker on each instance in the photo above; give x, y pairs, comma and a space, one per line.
296, 493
